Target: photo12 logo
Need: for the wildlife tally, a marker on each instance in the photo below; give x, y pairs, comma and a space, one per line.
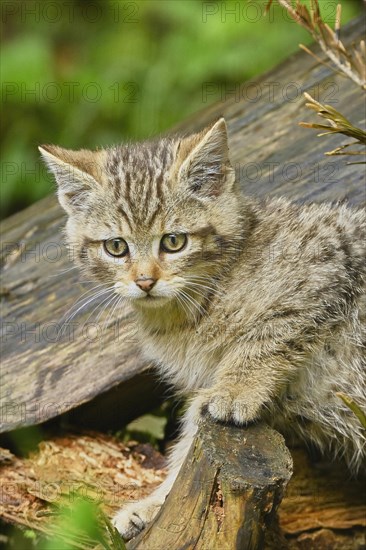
267, 92
67, 11
252, 11
236, 12
69, 91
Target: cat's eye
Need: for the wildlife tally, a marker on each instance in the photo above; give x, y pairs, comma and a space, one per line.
173, 242
116, 247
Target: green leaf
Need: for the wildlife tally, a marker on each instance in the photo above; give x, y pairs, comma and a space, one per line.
149, 424
30, 534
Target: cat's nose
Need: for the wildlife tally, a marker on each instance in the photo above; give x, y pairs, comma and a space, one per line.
145, 283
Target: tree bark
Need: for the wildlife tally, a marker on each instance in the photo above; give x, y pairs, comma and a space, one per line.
226, 493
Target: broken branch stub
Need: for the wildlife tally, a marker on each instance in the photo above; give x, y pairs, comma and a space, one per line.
226, 493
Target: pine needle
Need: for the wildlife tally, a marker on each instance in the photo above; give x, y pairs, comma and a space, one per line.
349, 62
338, 124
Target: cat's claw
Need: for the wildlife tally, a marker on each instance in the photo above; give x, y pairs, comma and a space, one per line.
226, 406
134, 517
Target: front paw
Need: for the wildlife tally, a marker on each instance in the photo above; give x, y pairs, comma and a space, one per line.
232, 405
134, 517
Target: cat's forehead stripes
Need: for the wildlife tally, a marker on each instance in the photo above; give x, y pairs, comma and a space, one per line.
139, 176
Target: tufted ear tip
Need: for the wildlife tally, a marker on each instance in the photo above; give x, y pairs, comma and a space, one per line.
47, 149
77, 173
44, 148
220, 123
207, 171
59, 153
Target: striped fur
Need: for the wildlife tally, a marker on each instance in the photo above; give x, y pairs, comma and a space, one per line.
261, 314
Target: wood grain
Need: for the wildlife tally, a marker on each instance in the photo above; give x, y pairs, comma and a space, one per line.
226, 493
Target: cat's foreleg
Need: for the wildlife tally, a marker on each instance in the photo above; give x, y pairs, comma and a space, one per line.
133, 517
242, 388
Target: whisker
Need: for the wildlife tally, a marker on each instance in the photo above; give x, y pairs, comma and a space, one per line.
192, 301
113, 309
186, 308
97, 306
201, 278
109, 301
86, 301
111, 304
86, 292
194, 314
200, 286
63, 271
203, 285
86, 281
204, 295
199, 290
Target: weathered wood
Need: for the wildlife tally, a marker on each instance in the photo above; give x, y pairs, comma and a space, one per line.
322, 503
322, 508
226, 493
41, 377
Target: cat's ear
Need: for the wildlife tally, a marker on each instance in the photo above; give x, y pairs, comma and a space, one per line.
206, 170
77, 174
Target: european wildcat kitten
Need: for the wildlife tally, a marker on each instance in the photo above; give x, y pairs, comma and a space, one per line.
249, 308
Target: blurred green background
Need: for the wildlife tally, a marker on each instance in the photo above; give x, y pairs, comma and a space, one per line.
88, 73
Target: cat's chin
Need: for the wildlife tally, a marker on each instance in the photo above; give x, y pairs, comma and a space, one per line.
150, 302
